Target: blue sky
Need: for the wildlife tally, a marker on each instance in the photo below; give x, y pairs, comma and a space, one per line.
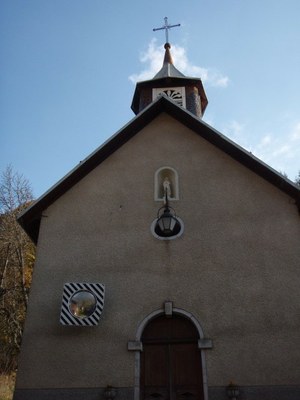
68, 69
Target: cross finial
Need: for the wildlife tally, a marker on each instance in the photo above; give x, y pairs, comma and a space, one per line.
166, 27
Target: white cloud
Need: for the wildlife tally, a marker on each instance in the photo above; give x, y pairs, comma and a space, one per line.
296, 132
266, 141
153, 58
280, 151
235, 131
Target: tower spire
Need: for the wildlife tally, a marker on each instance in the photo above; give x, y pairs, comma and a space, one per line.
168, 69
168, 57
184, 91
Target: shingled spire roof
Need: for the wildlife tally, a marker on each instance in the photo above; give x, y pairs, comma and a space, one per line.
168, 70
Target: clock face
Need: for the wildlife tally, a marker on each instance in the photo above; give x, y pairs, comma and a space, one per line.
177, 94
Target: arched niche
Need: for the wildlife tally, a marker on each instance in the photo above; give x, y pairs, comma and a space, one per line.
166, 174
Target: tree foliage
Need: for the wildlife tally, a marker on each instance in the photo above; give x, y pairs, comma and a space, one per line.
297, 180
17, 255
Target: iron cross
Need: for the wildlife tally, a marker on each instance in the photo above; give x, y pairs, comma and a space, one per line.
166, 27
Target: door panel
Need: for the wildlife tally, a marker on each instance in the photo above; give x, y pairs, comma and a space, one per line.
155, 365
171, 366
154, 372
186, 364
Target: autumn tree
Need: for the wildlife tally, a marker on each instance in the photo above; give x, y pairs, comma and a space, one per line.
17, 254
297, 180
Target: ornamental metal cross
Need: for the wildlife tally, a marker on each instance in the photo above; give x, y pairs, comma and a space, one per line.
166, 27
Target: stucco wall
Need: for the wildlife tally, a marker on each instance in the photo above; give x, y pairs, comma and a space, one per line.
236, 267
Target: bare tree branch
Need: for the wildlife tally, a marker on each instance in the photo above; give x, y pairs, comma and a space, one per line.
17, 254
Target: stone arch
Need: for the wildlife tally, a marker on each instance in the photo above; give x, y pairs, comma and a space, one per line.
159, 312
137, 345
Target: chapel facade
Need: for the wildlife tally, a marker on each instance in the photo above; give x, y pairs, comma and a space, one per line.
167, 265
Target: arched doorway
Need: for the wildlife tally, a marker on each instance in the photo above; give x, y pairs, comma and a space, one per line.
171, 367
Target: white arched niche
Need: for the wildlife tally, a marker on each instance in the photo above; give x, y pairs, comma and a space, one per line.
162, 175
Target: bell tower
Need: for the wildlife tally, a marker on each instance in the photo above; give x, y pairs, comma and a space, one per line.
186, 92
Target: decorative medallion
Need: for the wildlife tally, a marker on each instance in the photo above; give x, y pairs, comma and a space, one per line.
174, 95
177, 94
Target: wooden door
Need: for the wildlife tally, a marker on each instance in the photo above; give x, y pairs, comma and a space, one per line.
171, 361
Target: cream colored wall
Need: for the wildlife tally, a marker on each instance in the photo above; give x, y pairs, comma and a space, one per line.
236, 267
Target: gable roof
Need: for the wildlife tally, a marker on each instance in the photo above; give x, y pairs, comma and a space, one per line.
31, 217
